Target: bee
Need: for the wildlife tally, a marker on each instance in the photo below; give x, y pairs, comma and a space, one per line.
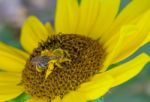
41, 62
48, 59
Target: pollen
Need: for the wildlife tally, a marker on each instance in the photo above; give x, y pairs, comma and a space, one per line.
70, 59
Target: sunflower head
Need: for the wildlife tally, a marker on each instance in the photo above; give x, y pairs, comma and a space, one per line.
73, 66
71, 59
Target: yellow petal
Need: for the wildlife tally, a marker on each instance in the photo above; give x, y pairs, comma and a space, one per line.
128, 70
32, 33
135, 40
9, 85
132, 11
11, 89
11, 58
49, 28
74, 97
9, 78
113, 46
105, 17
66, 16
73, 19
147, 39
57, 99
132, 38
97, 87
88, 13
10, 95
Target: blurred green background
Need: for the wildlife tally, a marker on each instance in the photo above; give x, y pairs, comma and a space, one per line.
14, 12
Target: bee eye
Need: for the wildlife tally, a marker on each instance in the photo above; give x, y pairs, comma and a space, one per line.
42, 65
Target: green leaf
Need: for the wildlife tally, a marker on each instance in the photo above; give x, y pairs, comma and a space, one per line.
21, 98
98, 100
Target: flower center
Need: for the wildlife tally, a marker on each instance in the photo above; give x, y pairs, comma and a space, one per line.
61, 64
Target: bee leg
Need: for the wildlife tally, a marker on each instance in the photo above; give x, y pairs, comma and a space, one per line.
64, 60
58, 65
50, 69
67, 53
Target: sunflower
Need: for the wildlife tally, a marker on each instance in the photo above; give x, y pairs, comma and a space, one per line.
69, 63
